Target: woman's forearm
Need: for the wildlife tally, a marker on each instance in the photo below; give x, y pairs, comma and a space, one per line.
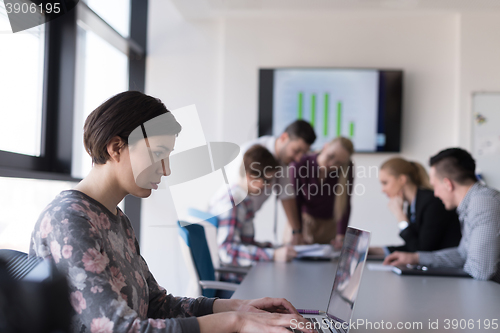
218, 322
225, 305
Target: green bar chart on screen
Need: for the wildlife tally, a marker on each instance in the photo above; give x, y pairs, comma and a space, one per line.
324, 120
334, 102
339, 118
313, 110
325, 116
300, 106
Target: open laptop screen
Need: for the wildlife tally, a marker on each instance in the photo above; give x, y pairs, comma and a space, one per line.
348, 276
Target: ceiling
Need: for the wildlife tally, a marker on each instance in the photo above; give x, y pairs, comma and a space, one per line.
228, 8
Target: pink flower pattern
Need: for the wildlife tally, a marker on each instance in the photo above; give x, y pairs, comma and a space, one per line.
101, 325
157, 323
55, 249
94, 261
45, 226
67, 250
117, 280
139, 279
96, 289
78, 302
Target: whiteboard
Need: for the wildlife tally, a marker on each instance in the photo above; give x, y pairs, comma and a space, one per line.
486, 136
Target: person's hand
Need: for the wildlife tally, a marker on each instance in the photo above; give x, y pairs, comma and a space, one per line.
401, 258
396, 206
267, 244
270, 322
284, 253
297, 239
266, 304
337, 242
249, 322
378, 251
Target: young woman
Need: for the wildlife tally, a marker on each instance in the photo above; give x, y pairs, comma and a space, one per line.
426, 225
323, 187
129, 138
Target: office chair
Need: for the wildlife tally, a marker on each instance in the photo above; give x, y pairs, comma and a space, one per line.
34, 297
198, 259
210, 227
18, 264
213, 220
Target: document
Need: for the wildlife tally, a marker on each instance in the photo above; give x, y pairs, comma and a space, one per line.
316, 250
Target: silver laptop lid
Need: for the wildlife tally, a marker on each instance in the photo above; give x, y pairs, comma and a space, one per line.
348, 276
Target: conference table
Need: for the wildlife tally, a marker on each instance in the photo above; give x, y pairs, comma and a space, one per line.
391, 303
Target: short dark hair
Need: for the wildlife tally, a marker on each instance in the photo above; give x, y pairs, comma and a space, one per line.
257, 159
119, 116
455, 164
301, 129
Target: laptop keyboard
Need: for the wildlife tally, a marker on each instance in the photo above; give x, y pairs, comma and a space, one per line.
322, 325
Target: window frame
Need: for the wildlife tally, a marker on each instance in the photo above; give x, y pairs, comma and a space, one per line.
59, 81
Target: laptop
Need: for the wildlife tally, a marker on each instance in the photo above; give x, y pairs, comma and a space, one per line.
429, 271
350, 266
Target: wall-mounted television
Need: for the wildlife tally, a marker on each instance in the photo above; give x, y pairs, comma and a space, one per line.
361, 104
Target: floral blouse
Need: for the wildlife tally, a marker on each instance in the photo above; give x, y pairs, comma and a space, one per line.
112, 289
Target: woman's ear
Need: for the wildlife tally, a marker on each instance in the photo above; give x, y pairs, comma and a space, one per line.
115, 148
402, 179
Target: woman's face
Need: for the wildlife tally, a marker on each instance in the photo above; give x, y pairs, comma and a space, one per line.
391, 185
149, 161
333, 155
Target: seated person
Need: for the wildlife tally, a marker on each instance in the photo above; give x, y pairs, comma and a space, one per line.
323, 185
235, 234
453, 177
92, 241
426, 225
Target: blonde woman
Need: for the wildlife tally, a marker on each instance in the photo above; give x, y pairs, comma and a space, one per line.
323, 185
426, 225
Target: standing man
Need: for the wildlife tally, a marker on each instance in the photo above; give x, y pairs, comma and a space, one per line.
453, 177
290, 146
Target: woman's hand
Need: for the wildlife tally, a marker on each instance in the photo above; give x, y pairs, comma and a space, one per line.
261, 305
271, 322
396, 207
248, 322
278, 305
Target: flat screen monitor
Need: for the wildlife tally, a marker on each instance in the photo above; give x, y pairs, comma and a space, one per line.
361, 104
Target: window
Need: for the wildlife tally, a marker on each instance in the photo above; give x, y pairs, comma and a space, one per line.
102, 71
22, 56
115, 12
51, 77
25, 199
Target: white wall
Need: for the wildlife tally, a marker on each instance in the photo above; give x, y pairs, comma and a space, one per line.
479, 65
183, 68
214, 64
423, 45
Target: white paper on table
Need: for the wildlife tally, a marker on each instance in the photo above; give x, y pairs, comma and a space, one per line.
316, 250
379, 267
